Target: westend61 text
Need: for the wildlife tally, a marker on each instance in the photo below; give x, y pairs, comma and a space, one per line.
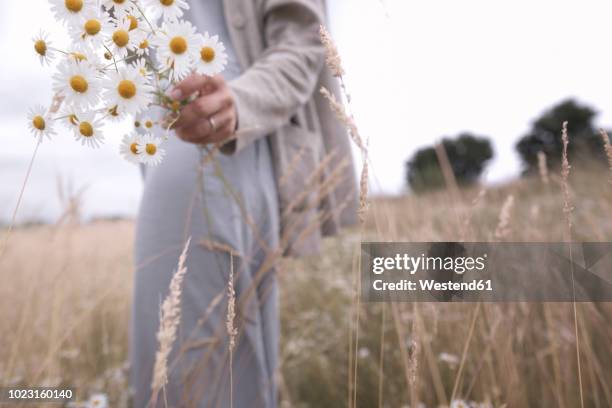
432, 285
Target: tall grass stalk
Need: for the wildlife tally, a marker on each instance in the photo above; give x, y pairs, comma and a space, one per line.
334, 63
381, 357
451, 184
466, 347
505, 216
467, 231
232, 332
20, 197
55, 106
567, 211
607, 149
170, 318
543, 167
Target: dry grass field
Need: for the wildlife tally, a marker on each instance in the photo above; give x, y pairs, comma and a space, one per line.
65, 306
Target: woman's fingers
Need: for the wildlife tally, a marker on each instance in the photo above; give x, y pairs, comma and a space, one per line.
192, 84
196, 132
202, 108
202, 131
223, 134
188, 86
222, 119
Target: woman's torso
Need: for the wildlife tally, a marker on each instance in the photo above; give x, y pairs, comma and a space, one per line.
170, 188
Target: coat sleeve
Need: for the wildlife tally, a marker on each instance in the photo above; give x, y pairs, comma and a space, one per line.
283, 78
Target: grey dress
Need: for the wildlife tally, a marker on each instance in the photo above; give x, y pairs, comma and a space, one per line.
239, 210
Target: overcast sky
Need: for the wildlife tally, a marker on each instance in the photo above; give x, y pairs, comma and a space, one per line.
417, 71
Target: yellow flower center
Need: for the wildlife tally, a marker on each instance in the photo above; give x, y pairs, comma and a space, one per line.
74, 5
92, 27
41, 47
86, 129
121, 38
127, 89
178, 45
134, 148
118, 1
72, 118
207, 54
137, 124
148, 124
108, 55
133, 23
144, 45
151, 149
38, 122
79, 84
166, 2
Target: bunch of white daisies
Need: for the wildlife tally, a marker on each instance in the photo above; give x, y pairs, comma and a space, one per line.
108, 72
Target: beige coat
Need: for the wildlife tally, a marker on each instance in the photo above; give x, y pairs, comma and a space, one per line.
278, 45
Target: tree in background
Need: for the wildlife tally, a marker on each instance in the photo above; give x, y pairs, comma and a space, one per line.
545, 136
468, 155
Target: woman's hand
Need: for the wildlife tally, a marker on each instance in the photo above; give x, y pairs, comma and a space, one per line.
211, 117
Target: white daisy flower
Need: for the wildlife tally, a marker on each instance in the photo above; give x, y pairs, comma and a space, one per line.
98, 401
144, 46
140, 38
88, 131
168, 9
42, 46
177, 48
71, 11
136, 22
459, 404
81, 52
147, 123
90, 30
213, 58
120, 39
128, 90
150, 151
145, 30
119, 7
114, 114
39, 122
68, 117
78, 83
129, 148
140, 65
